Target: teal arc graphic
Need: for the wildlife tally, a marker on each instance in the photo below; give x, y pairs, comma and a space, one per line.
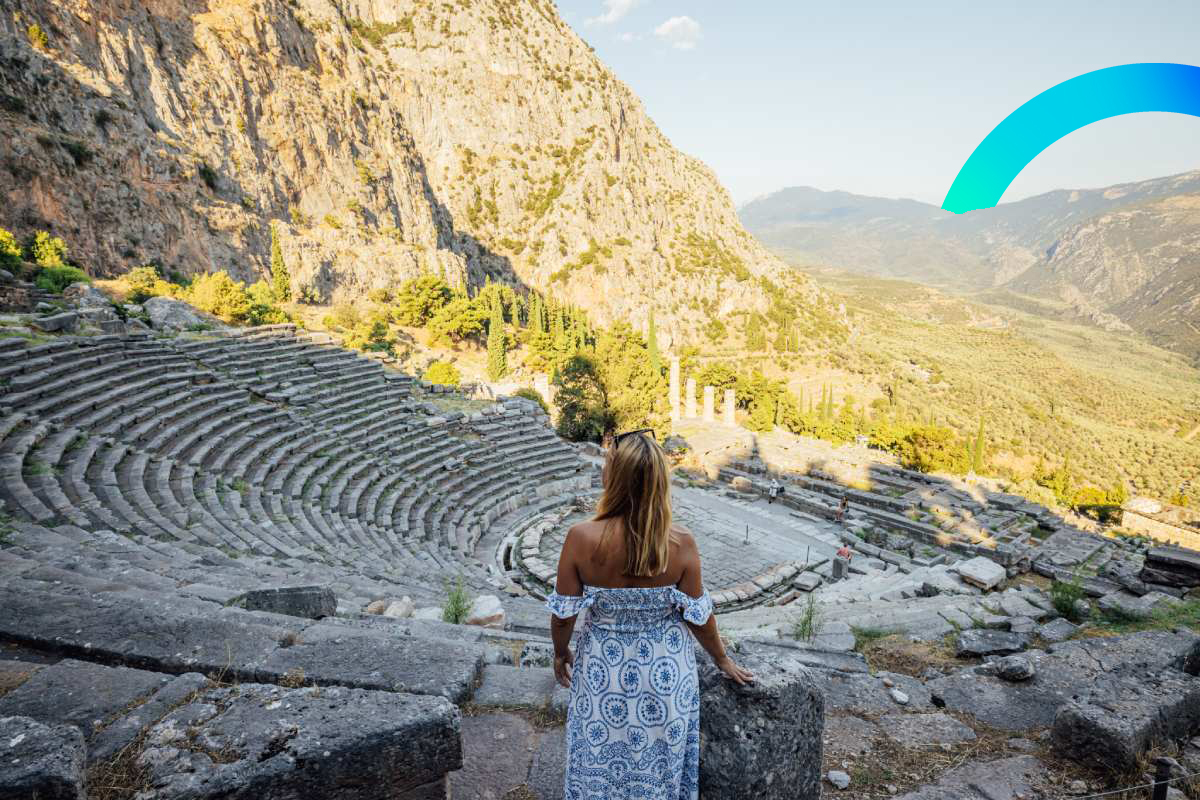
1067, 107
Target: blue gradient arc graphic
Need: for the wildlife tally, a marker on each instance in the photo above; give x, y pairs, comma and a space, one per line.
1067, 107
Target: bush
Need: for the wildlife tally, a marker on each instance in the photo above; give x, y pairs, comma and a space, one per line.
220, 295
55, 279
145, 282
48, 251
1065, 595
443, 373
10, 251
535, 396
458, 603
37, 37
369, 334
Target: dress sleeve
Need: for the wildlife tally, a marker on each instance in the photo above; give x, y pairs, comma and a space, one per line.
696, 610
565, 606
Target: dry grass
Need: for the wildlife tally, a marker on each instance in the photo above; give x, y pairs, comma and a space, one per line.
897, 654
11, 680
293, 679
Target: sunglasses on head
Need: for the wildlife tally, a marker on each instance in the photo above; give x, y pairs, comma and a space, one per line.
617, 439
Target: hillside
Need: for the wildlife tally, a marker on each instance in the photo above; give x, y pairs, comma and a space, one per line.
383, 139
1121, 257
1111, 406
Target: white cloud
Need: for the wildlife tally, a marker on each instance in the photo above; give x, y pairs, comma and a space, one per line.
614, 10
628, 37
682, 33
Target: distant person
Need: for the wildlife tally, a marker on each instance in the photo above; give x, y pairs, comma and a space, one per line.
845, 553
634, 715
843, 507
773, 491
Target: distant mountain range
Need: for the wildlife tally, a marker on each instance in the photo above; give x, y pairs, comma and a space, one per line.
1126, 256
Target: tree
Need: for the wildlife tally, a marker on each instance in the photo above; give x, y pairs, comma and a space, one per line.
496, 346
420, 299
977, 459
281, 279
582, 403
652, 347
461, 318
219, 294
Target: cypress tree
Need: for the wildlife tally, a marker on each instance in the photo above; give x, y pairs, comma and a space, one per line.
652, 347
557, 331
281, 281
977, 459
497, 358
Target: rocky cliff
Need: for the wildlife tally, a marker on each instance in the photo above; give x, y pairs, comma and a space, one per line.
383, 137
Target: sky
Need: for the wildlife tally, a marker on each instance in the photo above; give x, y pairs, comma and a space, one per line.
888, 98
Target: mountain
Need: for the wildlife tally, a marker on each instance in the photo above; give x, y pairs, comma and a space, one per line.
1126, 256
382, 138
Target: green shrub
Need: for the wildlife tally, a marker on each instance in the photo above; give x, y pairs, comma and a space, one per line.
146, 282
1065, 595
10, 251
55, 279
48, 251
458, 603
443, 373
220, 295
535, 396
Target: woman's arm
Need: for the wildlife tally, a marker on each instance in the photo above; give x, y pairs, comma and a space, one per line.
692, 584
567, 583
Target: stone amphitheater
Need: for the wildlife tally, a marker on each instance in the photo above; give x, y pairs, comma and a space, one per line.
225, 556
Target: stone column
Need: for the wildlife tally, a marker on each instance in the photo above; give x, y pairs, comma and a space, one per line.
730, 400
709, 394
689, 399
674, 391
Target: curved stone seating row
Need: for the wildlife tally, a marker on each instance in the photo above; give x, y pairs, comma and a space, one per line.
188, 441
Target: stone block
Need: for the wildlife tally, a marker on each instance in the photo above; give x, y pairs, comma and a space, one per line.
256, 742
521, 687
984, 642
1173, 566
764, 740
1057, 630
981, 572
370, 659
1126, 604
923, 730
807, 581
40, 761
81, 694
64, 322
1001, 779
486, 612
312, 602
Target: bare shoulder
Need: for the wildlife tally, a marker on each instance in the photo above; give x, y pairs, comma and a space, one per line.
583, 532
684, 538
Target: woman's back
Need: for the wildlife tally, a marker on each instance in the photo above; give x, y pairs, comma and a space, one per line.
599, 552
633, 725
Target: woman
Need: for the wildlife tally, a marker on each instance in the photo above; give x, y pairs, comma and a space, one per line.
633, 726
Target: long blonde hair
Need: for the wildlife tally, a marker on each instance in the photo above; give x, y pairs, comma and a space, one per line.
637, 491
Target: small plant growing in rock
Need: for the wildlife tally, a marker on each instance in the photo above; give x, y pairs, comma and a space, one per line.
458, 603
10, 251
38, 37
809, 624
1065, 595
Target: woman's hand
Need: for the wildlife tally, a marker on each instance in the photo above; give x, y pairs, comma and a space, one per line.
562, 668
731, 671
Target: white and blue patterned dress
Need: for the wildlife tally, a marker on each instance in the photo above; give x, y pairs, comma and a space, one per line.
633, 726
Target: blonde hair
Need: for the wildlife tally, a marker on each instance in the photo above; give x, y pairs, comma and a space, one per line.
637, 491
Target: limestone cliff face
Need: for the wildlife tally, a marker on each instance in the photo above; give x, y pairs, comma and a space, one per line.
383, 137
